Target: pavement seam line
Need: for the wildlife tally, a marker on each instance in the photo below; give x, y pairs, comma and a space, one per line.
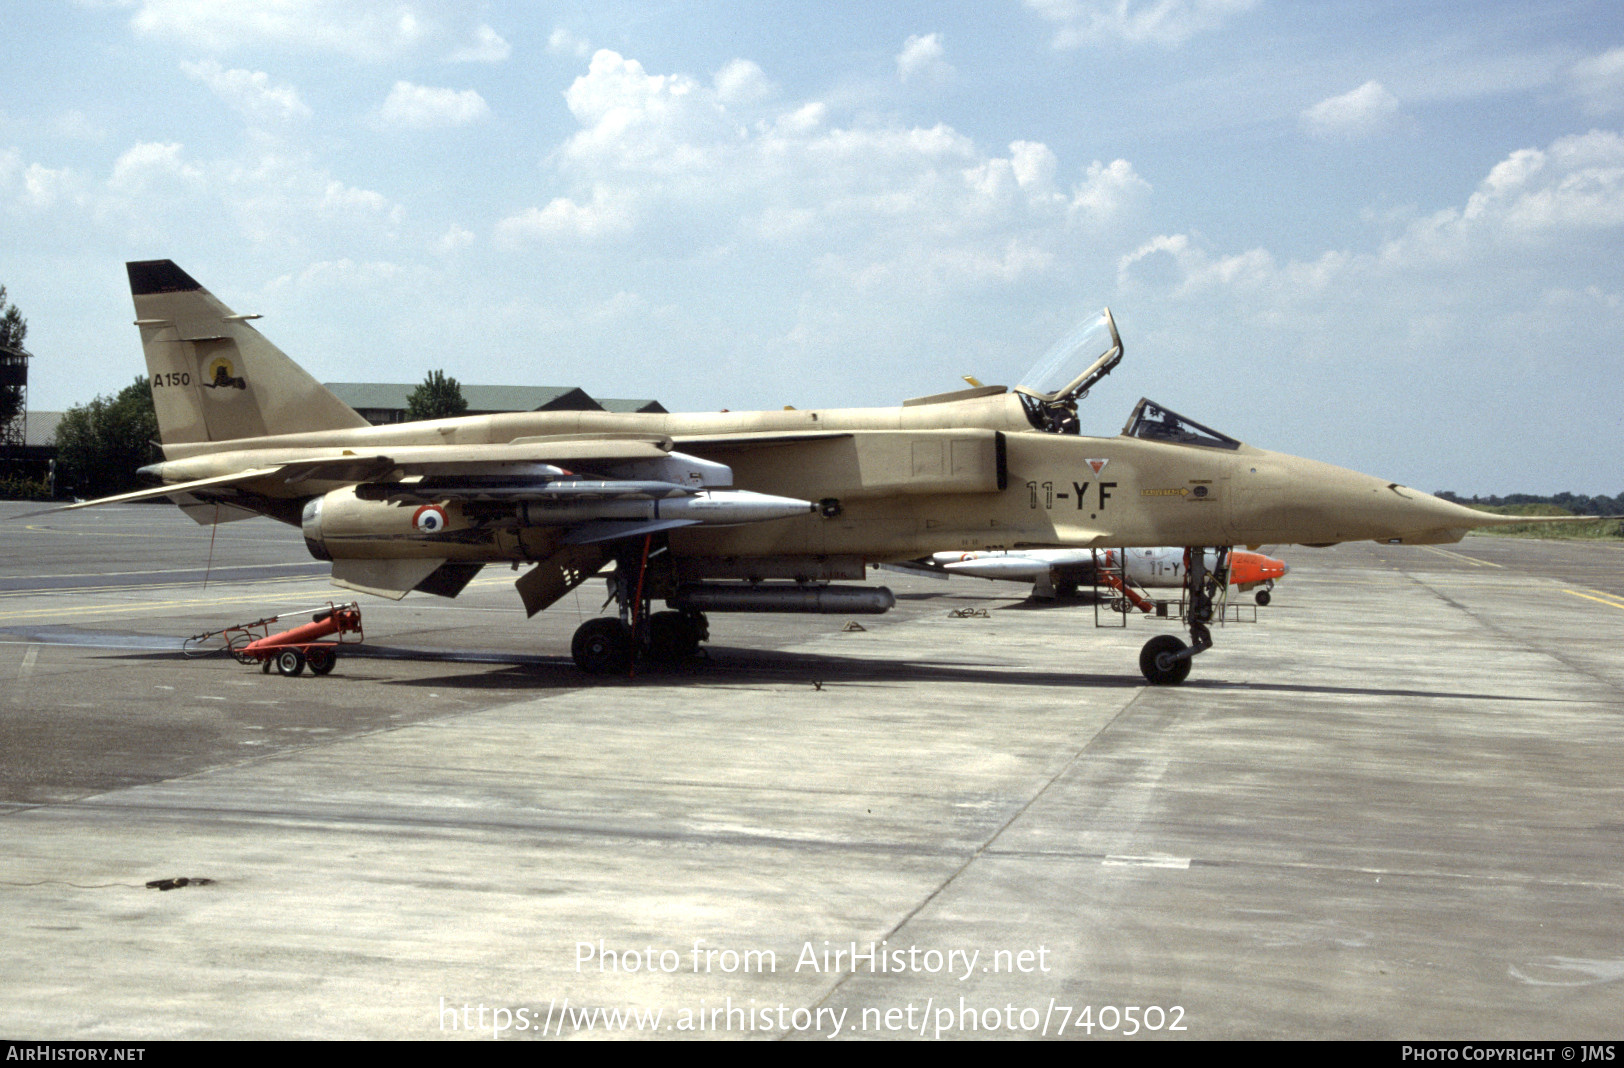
982, 849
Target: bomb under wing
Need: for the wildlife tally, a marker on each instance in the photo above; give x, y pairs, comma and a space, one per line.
701, 508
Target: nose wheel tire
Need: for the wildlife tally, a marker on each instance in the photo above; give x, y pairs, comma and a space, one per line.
1156, 664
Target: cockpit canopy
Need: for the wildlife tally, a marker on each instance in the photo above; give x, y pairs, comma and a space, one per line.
1075, 364
1154, 423
1068, 371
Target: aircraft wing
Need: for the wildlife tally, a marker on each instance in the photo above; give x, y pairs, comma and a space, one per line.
754, 440
413, 460
522, 470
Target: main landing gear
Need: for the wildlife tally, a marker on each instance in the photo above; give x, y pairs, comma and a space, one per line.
1165, 660
609, 645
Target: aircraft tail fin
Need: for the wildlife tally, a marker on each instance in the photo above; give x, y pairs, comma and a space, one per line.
214, 377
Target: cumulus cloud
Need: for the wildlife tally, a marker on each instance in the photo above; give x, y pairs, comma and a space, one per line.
1446, 317
75, 125
1168, 23
1107, 192
741, 82
1574, 186
923, 58
349, 27
682, 163
159, 189
1172, 262
562, 42
487, 47
149, 163
454, 238
248, 92
604, 214
1536, 204
43, 187
1362, 112
1598, 82
421, 107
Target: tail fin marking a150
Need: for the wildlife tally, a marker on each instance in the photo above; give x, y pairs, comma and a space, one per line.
214, 377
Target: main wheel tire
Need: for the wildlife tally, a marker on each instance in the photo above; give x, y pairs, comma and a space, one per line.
1262, 597
602, 646
290, 662
321, 659
1152, 655
672, 637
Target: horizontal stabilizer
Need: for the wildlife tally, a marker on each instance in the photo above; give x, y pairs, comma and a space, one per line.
171, 490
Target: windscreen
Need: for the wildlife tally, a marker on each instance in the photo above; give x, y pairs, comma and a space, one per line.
1154, 423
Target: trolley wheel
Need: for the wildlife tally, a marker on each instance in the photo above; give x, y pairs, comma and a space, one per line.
235, 646
321, 659
1261, 597
1152, 661
265, 665
290, 662
602, 646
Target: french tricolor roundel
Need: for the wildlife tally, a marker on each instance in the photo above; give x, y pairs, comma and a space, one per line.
429, 519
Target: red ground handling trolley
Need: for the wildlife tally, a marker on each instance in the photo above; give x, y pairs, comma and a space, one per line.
291, 650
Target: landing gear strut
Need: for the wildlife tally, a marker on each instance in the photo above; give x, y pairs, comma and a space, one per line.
1165, 660
608, 645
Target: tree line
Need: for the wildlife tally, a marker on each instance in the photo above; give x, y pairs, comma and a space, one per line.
101, 445
1576, 503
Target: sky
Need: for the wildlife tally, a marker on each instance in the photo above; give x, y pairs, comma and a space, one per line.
1385, 235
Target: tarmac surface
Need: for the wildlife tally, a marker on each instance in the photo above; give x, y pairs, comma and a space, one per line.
1391, 809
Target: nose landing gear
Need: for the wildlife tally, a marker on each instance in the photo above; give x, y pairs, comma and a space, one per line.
1165, 660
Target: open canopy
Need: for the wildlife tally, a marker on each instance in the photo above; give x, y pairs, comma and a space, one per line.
1068, 371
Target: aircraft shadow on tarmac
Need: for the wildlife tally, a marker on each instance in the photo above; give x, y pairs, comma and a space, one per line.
734, 665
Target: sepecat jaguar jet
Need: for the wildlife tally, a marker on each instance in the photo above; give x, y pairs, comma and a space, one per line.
726, 511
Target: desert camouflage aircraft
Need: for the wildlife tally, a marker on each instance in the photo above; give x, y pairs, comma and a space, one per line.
725, 511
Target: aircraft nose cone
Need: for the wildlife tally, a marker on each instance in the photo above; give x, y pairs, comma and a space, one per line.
1285, 499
